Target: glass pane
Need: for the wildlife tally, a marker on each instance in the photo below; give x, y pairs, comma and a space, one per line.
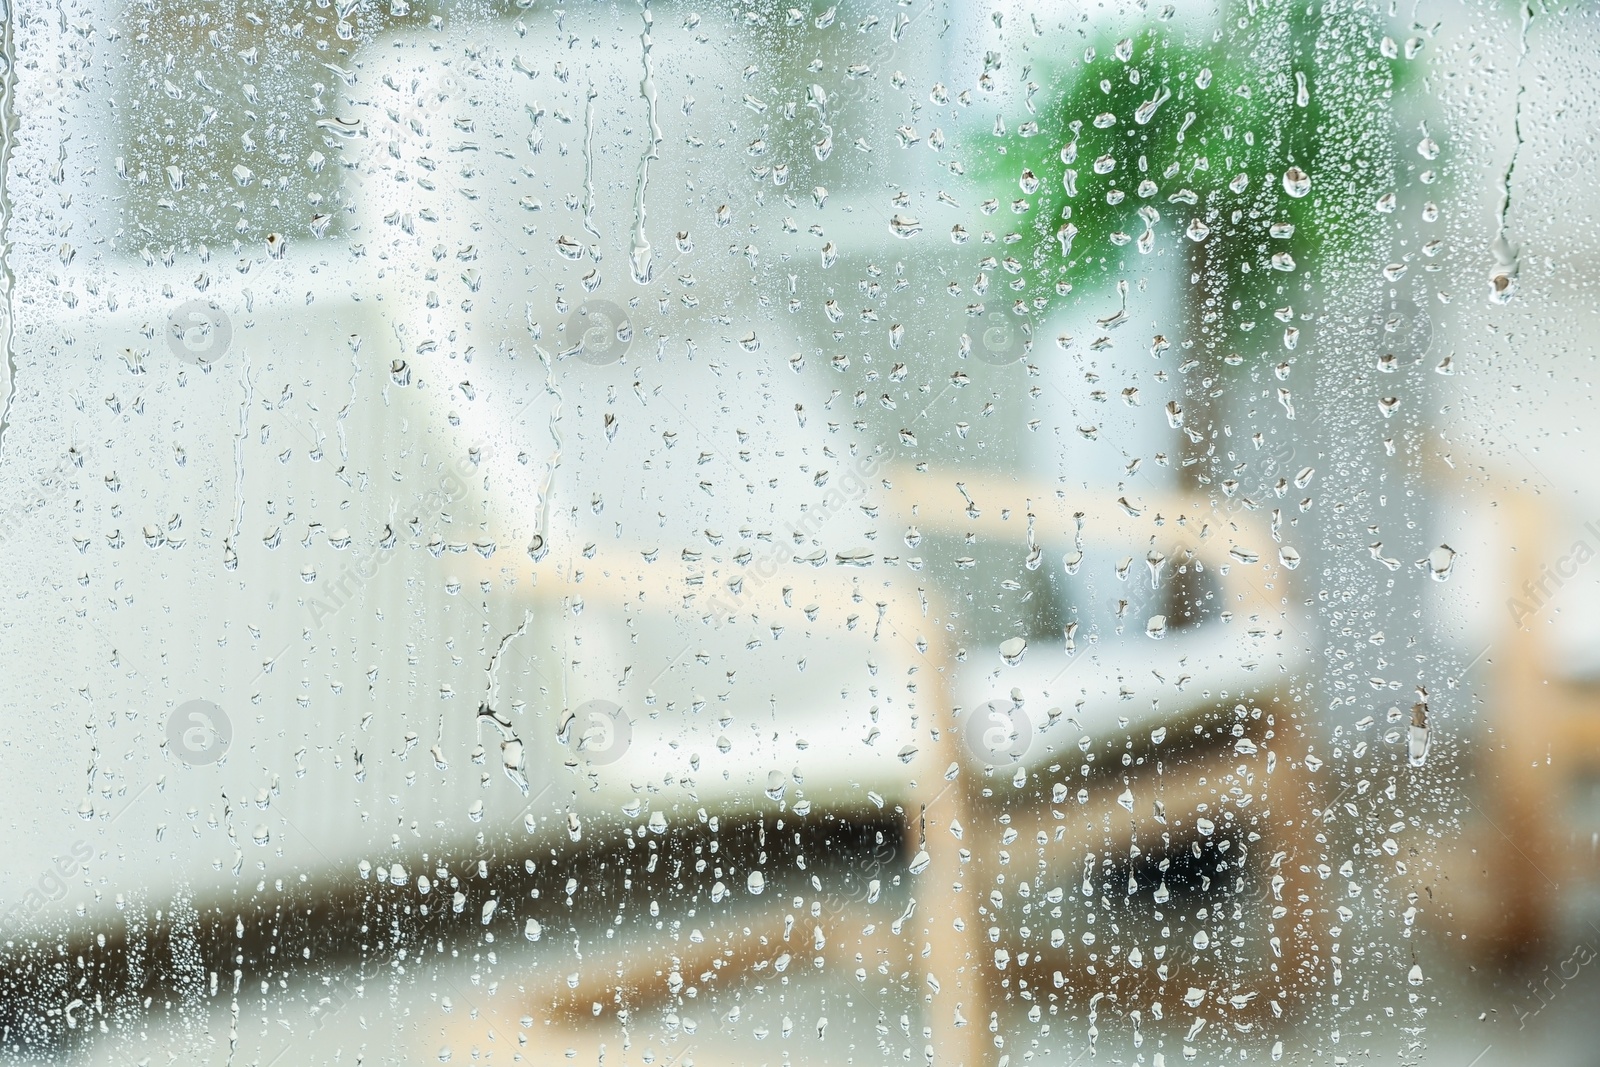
864, 532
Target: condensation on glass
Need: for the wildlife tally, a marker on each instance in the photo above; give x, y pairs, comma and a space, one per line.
841, 533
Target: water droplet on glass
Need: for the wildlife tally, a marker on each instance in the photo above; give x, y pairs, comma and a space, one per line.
1417, 743
1147, 110
1439, 563
904, 226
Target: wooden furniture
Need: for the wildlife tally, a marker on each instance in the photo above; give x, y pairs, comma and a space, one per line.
1504, 876
1220, 813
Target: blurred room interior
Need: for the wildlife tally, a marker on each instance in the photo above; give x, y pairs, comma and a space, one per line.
644, 533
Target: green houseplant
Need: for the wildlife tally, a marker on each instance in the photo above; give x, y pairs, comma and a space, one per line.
1246, 156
